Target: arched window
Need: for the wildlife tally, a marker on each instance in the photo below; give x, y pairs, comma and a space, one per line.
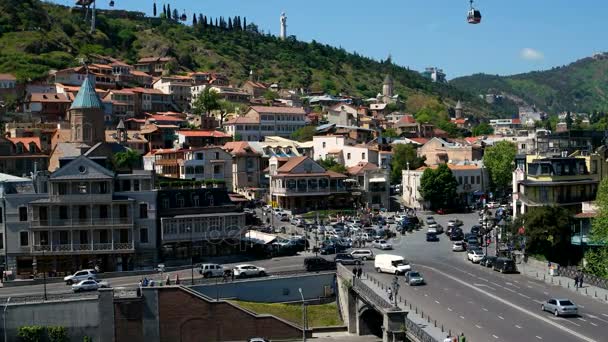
19, 148
180, 200
33, 147
77, 132
86, 134
210, 200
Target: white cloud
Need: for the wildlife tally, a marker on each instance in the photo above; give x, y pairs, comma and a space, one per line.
531, 54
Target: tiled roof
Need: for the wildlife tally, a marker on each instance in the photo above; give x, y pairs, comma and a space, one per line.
9, 77
278, 110
165, 118
362, 166
87, 97
239, 148
406, 120
291, 164
204, 134
242, 120
49, 97
26, 142
452, 167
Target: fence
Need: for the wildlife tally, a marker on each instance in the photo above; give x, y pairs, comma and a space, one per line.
590, 279
49, 297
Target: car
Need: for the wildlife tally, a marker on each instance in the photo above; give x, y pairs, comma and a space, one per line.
432, 237
414, 278
439, 228
475, 255
488, 261
284, 217
476, 230
382, 244
393, 264
86, 285
430, 220
346, 259
211, 270
318, 264
456, 234
560, 307
504, 265
89, 274
363, 254
258, 339
246, 270
492, 205
390, 220
432, 228
103, 284
332, 248
458, 246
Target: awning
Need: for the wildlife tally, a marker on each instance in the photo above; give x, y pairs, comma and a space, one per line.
378, 180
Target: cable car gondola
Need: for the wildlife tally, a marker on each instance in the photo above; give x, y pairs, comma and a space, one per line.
474, 15
184, 17
112, 3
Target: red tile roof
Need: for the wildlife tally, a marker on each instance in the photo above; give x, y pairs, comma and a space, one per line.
421, 141
361, 167
204, 134
242, 120
26, 142
239, 148
9, 77
278, 110
49, 97
291, 164
407, 119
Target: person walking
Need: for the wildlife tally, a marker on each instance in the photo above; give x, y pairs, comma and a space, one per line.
461, 338
576, 281
580, 281
447, 339
359, 272
390, 294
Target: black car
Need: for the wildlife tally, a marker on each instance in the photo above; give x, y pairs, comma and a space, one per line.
346, 259
475, 230
332, 249
456, 235
504, 265
318, 264
488, 261
432, 237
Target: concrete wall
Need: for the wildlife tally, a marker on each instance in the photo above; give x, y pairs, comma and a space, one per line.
80, 317
272, 290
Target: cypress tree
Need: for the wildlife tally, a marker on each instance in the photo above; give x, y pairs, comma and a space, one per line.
216, 25
169, 11
201, 20
164, 10
175, 15
244, 23
230, 27
194, 22
154, 9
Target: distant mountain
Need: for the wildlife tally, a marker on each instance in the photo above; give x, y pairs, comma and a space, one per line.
581, 86
36, 37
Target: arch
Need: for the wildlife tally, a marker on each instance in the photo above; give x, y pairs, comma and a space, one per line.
370, 321
192, 329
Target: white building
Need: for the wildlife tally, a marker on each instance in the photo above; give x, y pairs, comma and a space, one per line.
340, 149
178, 87
261, 121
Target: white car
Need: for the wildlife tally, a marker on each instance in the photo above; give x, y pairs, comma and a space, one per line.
390, 220
211, 270
81, 275
475, 255
363, 254
458, 246
432, 229
241, 271
492, 205
86, 285
382, 244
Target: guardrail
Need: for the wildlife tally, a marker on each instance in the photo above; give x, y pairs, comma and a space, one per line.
49, 297
589, 279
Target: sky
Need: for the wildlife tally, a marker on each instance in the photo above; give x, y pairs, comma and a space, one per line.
515, 36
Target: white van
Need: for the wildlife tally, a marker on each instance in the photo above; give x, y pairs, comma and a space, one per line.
389, 263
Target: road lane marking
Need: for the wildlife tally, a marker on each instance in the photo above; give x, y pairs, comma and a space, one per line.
508, 289
511, 284
478, 327
484, 285
580, 306
581, 319
538, 337
426, 295
484, 309
516, 307
517, 326
529, 286
484, 279
495, 336
604, 315
437, 302
595, 325
546, 293
462, 317
595, 317
523, 295
449, 309
501, 317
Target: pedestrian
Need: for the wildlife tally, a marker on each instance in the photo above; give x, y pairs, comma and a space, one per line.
580, 281
225, 277
390, 294
461, 338
448, 339
232, 275
359, 273
576, 281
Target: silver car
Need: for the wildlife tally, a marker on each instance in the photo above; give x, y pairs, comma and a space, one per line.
414, 278
560, 307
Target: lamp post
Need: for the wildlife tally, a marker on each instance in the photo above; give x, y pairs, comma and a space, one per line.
303, 315
191, 256
4, 318
43, 242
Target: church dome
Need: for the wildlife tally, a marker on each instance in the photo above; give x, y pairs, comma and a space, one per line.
87, 97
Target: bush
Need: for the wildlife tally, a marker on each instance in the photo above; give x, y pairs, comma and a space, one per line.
31, 333
57, 334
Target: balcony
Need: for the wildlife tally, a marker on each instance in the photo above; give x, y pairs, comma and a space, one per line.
77, 223
82, 198
88, 248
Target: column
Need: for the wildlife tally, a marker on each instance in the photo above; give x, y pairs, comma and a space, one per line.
112, 234
92, 233
71, 240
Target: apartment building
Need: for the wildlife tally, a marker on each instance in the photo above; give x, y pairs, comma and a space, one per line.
261, 121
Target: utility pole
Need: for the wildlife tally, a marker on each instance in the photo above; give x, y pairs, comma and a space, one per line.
303, 316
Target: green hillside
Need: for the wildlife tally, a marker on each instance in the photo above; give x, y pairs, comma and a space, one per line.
581, 86
36, 37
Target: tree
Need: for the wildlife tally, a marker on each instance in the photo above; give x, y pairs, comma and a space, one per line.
164, 10
390, 133
126, 160
226, 107
245, 23
194, 22
175, 15
597, 258
304, 134
169, 11
482, 129
438, 187
206, 102
499, 160
402, 155
154, 9
332, 165
569, 120
547, 232
270, 96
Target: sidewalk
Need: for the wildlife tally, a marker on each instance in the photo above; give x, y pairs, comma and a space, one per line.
540, 270
426, 323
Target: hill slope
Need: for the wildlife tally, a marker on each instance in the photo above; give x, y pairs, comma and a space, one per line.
36, 37
581, 86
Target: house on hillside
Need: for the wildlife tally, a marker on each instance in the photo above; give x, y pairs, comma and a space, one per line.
438, 151
154, 66
261, 121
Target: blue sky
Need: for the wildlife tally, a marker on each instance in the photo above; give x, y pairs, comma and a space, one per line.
514, 36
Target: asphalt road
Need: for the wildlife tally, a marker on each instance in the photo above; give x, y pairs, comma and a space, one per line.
487, 305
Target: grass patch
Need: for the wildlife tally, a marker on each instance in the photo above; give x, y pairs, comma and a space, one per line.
322, 315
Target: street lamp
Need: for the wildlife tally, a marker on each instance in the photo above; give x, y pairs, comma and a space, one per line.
188, 229
43, 242
303, 315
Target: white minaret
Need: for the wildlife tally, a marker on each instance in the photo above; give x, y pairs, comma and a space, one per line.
283, 34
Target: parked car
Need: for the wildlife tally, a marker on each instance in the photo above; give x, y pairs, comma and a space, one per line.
242, 271
211, 270
560, 307
504, 265
318, 264
414, 278
346, 259
458, 246
103, 284
393, 264
363, 254
258, 339
332, 248
475, 255
476, 230
488, 261
456, 234
432, 237
85, 285
432, 228
382, 244
430, 220
89, 274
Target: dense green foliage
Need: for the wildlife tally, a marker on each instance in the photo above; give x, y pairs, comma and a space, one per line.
126, 160
304, 134
499, 160
597, 257
438, 187
206, 102
332, 165
37, 37
482, 129
31, 333
547, 232
402, 155
581, 86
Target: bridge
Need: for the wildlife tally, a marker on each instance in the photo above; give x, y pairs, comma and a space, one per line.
366, 310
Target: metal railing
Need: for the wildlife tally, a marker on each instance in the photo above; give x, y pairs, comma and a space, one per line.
589, 279
49, 297
117, 246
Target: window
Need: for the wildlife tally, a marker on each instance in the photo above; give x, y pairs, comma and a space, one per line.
103, 211
217, 169
1, 216
82, 212
472, 179
143, 210
62, 188
180, 201
103, 188
348, 156
217, 155
136, 185
324, 144
82, 188
22, 214
195, 200
122, 211
63, 212
143, 235
1, 241
363, 155
478, 179
199, 156
459, 179
166, 203
24, 239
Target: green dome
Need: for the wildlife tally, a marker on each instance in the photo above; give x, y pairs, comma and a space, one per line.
87, 97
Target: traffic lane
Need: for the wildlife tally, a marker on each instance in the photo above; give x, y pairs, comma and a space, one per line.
593, 314
279, 264
462, 310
